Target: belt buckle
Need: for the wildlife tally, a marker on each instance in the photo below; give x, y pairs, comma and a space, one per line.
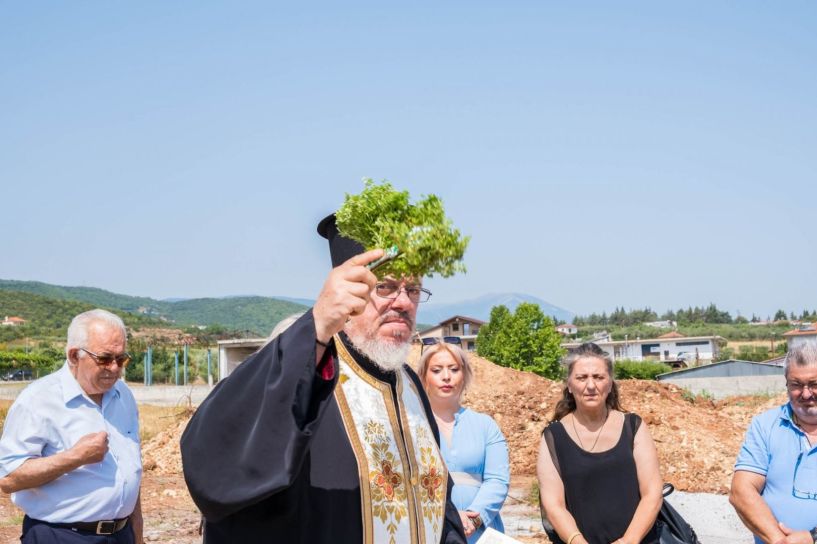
106, 527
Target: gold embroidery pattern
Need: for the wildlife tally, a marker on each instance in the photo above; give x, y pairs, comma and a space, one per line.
386, 481
432, 481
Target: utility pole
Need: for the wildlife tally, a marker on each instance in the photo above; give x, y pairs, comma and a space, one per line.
209, 369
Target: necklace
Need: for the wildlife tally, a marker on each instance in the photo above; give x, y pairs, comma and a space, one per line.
596, 441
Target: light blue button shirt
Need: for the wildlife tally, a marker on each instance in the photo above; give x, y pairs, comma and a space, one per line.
777, 449
51, 415
478, 448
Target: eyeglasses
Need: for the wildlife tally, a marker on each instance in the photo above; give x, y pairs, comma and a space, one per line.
392, 291
106, 360
432, 340
797, 387
808, 480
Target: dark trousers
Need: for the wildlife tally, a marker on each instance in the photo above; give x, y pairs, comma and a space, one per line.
41, 532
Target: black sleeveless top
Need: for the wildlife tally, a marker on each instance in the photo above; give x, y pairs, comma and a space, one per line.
601, 489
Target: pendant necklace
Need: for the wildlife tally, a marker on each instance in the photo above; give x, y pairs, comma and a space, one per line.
596, 441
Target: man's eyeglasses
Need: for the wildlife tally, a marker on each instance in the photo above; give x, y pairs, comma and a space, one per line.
392, 291
106, 360
797, 387
431, 340
806, 478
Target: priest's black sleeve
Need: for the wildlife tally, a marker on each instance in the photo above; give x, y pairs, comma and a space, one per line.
249, 437
453, 533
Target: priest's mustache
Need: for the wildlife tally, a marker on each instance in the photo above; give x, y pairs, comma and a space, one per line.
397, 314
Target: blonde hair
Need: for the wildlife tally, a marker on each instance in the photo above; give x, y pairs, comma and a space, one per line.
459, 355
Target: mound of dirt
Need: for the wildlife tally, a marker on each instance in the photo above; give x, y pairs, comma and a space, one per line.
161, 454
697, 439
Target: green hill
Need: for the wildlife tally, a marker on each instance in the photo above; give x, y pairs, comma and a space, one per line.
98, 298
49, 317
257, 315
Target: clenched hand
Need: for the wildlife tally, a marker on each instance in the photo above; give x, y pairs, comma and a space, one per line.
345, 293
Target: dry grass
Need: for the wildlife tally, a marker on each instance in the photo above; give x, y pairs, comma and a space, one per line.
155, 419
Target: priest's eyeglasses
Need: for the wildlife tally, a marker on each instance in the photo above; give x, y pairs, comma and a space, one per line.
392, 291
799, 388
105, 360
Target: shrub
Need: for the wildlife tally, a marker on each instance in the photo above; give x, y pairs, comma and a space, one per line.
639, 370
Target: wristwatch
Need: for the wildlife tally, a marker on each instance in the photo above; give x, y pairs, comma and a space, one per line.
813, 534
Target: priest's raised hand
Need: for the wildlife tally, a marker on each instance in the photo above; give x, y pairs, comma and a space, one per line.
345, 293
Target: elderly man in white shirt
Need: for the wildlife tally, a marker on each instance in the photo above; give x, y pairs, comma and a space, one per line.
70, 452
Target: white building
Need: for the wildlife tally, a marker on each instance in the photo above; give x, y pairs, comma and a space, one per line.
232, 352
805, 333
466, 328
666, 324
12, 321
669, 347
568, 329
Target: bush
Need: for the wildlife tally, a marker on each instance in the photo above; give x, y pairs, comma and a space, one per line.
639, 370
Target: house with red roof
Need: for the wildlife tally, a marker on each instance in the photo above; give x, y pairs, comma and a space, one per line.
12, 321
805, 333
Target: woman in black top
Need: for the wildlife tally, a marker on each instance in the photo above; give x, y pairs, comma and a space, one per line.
598, 470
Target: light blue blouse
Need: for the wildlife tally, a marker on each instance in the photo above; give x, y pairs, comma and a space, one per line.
49, 417
478, 447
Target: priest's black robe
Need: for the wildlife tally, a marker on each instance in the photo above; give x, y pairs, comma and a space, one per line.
266, 456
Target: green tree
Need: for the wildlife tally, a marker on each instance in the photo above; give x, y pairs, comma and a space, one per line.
780, 315
525, 340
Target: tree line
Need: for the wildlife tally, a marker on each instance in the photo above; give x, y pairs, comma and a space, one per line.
691, 315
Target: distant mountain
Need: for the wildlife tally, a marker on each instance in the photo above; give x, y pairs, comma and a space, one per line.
480, 308
257, 315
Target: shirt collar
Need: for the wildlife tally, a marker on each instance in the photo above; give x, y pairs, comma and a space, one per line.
786, 413
71, 388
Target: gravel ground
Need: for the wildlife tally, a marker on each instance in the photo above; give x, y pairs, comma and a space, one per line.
712, 517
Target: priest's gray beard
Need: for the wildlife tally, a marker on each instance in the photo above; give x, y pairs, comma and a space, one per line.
388, 355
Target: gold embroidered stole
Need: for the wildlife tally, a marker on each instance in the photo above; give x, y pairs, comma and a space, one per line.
403, 482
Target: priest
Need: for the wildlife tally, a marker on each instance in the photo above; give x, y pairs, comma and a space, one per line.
325, 434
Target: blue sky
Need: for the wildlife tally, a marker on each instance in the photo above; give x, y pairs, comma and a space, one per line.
600, 154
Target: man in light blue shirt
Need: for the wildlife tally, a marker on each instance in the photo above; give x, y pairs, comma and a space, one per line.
774, 489
70, 452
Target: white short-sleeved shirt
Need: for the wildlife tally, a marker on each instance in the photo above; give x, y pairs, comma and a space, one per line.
49, 417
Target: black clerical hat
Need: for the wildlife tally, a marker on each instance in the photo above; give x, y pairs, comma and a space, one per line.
342, 249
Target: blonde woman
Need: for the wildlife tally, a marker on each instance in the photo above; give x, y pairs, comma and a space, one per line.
472, 445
